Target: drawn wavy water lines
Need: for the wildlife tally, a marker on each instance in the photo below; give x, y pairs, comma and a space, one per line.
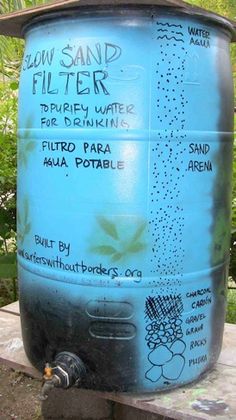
168, 34
162, 30
172, 25
169, 38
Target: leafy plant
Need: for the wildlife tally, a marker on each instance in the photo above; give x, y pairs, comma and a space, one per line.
24, 225
232, 267
27, 146
120, 248
231, 310
234, 182
24, 152
108, 227
8, 268
7, 6
8, 111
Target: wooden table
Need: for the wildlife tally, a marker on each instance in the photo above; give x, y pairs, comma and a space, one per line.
213, 396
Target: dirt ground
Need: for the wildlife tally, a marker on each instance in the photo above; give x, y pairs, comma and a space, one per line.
19, 396
19, 401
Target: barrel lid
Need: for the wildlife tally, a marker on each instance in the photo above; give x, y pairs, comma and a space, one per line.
11, 24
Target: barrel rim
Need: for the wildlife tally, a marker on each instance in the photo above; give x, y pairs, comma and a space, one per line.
75, 12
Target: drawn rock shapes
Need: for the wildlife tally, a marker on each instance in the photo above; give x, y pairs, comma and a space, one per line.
160, 355
164, 332
167, 363
164, 337
178, 347
154, 373
151, 345
173, 369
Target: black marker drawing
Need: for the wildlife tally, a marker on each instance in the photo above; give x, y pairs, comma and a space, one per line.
164, 337
169, 38
164, 309
169, 25
159, 307
166, 216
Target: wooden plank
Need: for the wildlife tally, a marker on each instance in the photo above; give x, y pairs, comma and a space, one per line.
12, 308
206, 394
12, 23
11, 345
179, 404
228, 353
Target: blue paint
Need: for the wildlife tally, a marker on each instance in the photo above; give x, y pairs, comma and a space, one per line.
120, 158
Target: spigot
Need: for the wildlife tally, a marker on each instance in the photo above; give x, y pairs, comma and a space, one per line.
66, 370
50, 380
48, 372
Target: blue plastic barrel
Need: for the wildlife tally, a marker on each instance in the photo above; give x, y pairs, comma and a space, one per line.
124, 193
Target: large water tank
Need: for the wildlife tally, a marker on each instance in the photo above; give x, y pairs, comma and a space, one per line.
124, 192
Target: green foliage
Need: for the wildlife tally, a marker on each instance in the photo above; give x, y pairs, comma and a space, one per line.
7, 6
24, 225
122, 246
103, 250
25, 150
11, 51
8, 266
234, 186
27, 145
222, 7
140, 230
8, 115
8, 111
231, 309
8, 291
108, 227
232, 268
